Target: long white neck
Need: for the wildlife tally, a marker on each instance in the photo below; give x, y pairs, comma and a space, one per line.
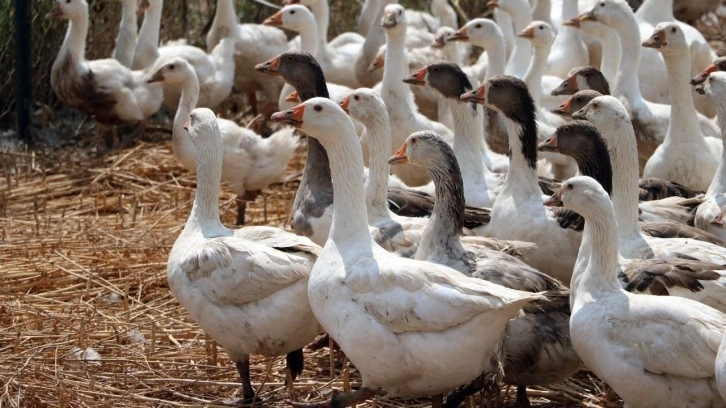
147, 48
126, 39
204, 217
522, 51
182, 144
684, 118
496, 51
610, 45
74, 42
367, 17
393, 71
504, 21
469, 146
655, 11
627, 83
600, 273
224, 16
321, 11
542, 11
718, 184
350, 217
310, 39
379, 139
537, 65
624, 156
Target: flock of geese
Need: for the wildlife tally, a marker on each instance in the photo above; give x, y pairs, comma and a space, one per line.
436, 244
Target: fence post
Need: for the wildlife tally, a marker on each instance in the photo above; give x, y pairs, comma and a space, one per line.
23, 81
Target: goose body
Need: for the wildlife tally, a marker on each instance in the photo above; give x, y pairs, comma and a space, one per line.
123, 51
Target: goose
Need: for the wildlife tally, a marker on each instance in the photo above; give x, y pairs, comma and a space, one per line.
215, 71
721, 368
531, 357
321, 11
583, 79
582, 141
104, 89
254, 43
715, 88
568, 48
249, 296
650, 119
123, 51
542, 36
375, 37
719, 64
685, 156
250, 163
642, 375
654, 12
363, 295
521, 16
610, 45
519, 213
612, 121
402, 112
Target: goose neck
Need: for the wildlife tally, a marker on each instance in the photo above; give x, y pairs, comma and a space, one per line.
204, 217
310, 39
74, 42
394, 69
182, 144
655, 11
147, 47
376, 35
718, 184
379, 137
127, 29
569, 10
627, 83
610, 53
469, 144
350, 217
321, 11
522, 173
225, 15
600, 273
522, 50
684, 118
497, 55
536, 69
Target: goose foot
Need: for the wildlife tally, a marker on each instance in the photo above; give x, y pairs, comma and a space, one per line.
295, 363
248, 393
241, 208
457, 397
338, 400
522, 399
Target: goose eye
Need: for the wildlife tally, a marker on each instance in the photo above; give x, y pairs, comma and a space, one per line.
171, 66
570, 186
541, 27
318, 108
289, 58
602, 4
68, 1
478, 25
414, 140
292, 11
673, 30
356, 97
399, 12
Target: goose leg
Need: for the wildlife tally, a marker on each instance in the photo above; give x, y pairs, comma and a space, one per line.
338, 400
241, 208
295, 363
522, 400
457, 397
437, 401
243, 368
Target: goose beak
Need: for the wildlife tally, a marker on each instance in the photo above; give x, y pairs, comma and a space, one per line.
55, 12
657, 40
573, 22
269, 67
567, 87
492, 4
460, 35
377, 63
528, 32
158, 76
589, 16
344, 104
418, 78
703, 76
556, 199
389, 20
400, 156
477, 95
142, 6
274, 20
565, 108
293, 117
717, 220
293, 97
187, 125
438, 43
581, 114
549, 145
700, 88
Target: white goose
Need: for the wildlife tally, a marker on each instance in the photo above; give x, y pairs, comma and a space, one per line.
635, 342
519, 213
364, 296
246, 288
321, 11
250, 163
542, 36
715, 88
721, 368
610, 41
685, 156
521, 15
568, 49
123, 51
402, 112
102, 88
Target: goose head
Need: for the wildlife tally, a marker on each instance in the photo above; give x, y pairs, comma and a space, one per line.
540, 33
293, 17
717, 221
394, 19
364, 104
204, 133
320, 118
668, 38
506, 94
719, 64
603, 111
715, 88
581, 194
174, 70
379, 61
427, 149
607, 12
142, 6
443, 37
478, 30
68, 9
299, 69
576, 102
585, 77
445, 77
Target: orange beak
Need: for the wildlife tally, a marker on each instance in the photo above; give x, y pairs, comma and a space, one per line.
187, 125
269, 67
528, 32
293, 97
703, 76
158, 76
657, 40
418, 78
573, 22
567, 87
589, 16
556, 199
377, 63
274, 20
565, 108
56, 12
549, 145
292, 116
477, 95
718, 220
460, 35
400, 156
344, 103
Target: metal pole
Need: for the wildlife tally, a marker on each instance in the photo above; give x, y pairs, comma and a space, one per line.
23, 78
